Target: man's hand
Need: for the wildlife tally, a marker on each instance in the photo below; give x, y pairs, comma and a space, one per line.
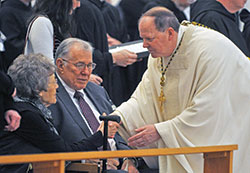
129, 166
112, 41
13, 119
124, 58
96, 79
145, 136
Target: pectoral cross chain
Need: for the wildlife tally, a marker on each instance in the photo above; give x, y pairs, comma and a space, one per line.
162, 97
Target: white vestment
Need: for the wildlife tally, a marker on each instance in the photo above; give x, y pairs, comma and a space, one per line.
207, 103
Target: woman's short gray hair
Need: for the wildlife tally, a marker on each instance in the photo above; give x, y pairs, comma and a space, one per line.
64, 47
164, 18
30, 74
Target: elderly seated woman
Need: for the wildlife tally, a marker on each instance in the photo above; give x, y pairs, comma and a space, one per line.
36, 87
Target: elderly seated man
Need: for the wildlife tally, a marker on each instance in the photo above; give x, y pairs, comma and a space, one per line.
81, 102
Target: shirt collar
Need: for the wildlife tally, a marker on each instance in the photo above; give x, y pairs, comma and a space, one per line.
68, 89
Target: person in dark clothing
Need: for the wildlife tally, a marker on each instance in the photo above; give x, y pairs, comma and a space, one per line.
115, 25
13, 23
92, 28
132, 11
36, 86
50, 25
221, 17
245, 17
169, 4
123, 79
9, 117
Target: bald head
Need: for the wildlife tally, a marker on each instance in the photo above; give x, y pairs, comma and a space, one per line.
163, 18
159, 28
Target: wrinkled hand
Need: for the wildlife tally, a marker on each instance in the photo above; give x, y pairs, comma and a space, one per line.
96, 79
13, 120
112, 164
129, 166
124, 58
112, 127
112, 41
145, 136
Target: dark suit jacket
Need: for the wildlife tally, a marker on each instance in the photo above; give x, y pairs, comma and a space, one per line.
6, 102
68, 120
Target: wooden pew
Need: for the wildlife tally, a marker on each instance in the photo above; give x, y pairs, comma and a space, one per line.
216, 158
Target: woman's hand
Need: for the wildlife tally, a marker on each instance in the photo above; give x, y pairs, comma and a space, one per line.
112, 128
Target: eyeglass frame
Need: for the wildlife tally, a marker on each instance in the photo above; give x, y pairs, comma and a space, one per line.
80, 65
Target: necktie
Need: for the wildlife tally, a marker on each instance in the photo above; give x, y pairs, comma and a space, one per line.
86, 111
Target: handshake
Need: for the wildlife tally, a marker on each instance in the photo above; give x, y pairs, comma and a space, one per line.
109, 125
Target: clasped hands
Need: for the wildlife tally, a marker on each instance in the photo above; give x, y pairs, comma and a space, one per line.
112, 128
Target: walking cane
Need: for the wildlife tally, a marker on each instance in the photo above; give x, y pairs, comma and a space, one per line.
105, 136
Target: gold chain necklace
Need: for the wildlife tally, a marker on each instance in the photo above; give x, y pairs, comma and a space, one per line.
162, 97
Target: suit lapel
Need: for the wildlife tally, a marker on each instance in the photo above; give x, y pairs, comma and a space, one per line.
64, 97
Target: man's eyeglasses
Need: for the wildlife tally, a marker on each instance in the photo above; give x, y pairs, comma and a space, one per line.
81, 66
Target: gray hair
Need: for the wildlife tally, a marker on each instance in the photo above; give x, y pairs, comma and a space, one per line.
64, 47
30, 74
164, 18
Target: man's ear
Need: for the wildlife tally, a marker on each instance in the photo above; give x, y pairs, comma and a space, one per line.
59, 64
171, 32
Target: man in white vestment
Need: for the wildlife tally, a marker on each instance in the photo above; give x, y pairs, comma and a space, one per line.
195, 92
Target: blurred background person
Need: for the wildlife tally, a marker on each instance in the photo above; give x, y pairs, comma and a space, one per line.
115, 23
178, 7
50, 25
13, 23
222, 16
132, 10
245, 18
